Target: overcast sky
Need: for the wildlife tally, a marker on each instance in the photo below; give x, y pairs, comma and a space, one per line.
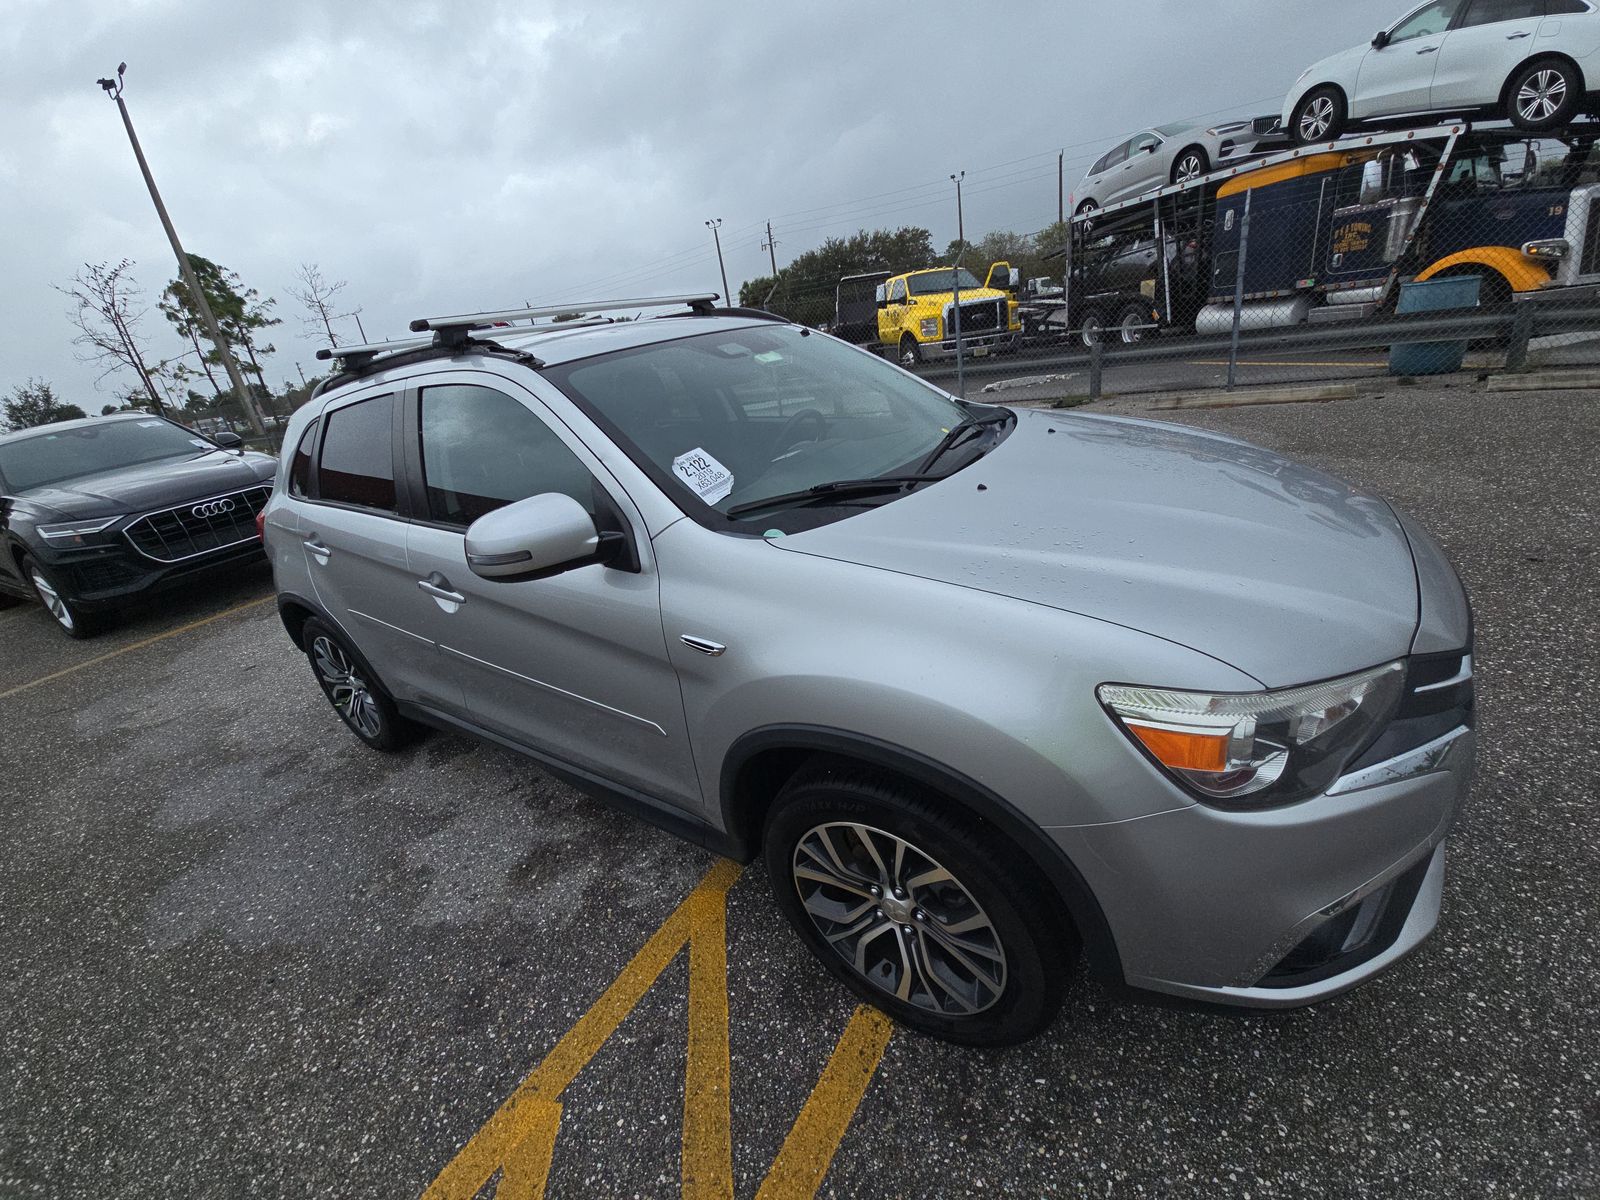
465, 156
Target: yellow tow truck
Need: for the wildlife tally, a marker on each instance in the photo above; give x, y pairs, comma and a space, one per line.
917, 314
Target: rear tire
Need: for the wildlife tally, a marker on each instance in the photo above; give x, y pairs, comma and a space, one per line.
958, 942
910, 351
59, 602
1131, 323
1093, 331
1319, 117
1544, 94
354, 690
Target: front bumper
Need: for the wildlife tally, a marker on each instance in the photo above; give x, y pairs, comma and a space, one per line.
973, 345
103, 577
1283, 907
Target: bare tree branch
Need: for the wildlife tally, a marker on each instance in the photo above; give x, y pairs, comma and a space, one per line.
107, 308
319, 297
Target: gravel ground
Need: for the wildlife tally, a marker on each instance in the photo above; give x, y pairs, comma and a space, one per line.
248, 957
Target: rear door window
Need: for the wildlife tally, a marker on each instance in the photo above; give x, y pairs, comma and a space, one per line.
1488, 12
357, 464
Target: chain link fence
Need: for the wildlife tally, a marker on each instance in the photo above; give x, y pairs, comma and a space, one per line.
1419, 252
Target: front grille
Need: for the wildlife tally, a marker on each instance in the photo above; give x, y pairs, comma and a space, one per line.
200, 526
983, 317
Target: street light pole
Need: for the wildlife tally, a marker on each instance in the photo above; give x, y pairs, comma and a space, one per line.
1061, 187
113, 88
715, 224
961, 225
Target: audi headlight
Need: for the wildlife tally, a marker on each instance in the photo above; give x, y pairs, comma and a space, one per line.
70, 533
930, 327
1258, 748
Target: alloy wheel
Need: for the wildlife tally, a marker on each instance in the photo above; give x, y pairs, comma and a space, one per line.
52, 600
1541, 95
345, 687
1188, 168
900, 919
1317, 119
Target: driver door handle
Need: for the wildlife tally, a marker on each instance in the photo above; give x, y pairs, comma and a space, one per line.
1428, 50
437, 586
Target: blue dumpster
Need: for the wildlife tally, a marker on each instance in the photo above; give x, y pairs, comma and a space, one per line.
1434, 295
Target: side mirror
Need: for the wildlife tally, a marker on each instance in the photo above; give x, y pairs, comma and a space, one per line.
228, 441
1016, 278
535, 538
1382, 40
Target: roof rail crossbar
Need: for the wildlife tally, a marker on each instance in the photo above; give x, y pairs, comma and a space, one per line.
456, 328
354, 358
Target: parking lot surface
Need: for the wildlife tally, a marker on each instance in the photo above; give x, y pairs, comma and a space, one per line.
247, 956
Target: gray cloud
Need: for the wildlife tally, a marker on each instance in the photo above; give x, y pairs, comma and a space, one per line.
449, 156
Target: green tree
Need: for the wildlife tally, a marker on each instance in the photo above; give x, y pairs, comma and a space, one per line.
242, 312
804, 290
35, 403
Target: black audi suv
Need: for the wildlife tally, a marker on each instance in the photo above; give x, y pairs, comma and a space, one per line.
98, 514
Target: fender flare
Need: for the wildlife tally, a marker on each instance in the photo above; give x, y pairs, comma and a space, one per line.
1511, 265
742, 817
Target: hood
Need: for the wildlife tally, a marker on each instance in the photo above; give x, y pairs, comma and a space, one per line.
154, 485
1278, 570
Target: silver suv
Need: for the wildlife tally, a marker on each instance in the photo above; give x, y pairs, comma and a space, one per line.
988, 690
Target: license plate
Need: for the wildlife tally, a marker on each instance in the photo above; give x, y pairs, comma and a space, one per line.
979, 351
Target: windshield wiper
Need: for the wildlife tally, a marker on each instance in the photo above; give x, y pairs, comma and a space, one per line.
825, 491
958, 432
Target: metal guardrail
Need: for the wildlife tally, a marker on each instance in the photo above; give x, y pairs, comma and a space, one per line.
1515, 326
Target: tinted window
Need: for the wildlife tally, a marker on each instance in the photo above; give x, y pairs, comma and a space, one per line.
300, 467
1559, 7
1426, 21
357, 465
1118, 154
481, 450
1486, 12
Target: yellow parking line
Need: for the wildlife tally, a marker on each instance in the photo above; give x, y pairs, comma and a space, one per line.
129, 649
808, 1151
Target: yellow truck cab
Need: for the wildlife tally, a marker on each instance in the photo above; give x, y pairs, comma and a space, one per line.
917, 319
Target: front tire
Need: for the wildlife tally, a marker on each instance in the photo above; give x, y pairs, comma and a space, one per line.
910, 351
354, 691
919, 911
59, 602
1544, 94
1190, 164
1319, 117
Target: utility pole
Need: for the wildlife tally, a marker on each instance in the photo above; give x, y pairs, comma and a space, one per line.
1061, 187
771, 247
302, 371
961, 225
113, 88
715, 224
363, 332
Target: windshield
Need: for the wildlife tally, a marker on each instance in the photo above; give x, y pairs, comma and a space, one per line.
53, 455
1172, 130
931, 282
741, 415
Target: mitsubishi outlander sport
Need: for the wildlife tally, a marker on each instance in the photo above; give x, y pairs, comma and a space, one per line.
990, 691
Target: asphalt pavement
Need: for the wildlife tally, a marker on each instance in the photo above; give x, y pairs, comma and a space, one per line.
248, 957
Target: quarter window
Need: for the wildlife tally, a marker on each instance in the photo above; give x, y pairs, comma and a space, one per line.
357, 465
300, 465
1427, 21
1488, 12
482, 450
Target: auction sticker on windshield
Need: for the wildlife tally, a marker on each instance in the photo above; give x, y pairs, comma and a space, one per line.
706, 477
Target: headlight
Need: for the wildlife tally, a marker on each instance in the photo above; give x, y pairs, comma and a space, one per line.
73, 532
1547, 248
930, 327
1258, 748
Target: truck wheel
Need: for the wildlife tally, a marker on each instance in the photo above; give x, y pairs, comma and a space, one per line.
1094, 327
910, 352
1190, 164
1544, 94
919, 911
1319, 117
1131, 322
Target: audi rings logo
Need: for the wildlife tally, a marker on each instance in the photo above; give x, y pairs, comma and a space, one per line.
212, 508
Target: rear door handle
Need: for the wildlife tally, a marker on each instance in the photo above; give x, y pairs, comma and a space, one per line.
437, 586
1511, 37
322, 553
1428, 50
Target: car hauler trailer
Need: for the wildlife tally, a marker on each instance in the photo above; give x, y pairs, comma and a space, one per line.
1333, 230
